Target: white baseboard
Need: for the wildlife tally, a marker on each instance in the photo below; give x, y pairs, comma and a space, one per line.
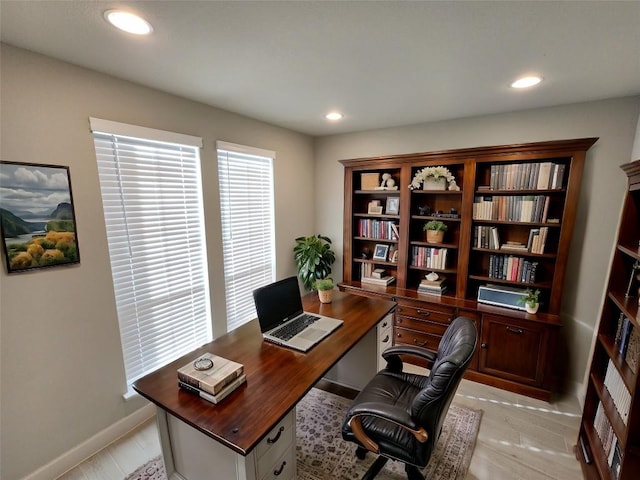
93, 445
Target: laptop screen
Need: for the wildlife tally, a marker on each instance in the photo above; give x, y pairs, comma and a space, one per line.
277, 302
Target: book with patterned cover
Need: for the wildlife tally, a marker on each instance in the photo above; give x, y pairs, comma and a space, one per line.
633, 350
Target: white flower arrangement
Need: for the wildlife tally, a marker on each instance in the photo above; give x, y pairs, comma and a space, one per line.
432, 172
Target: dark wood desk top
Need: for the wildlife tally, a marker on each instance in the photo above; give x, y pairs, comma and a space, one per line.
277, 377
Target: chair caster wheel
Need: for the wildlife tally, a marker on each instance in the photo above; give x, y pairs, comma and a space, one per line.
361, 453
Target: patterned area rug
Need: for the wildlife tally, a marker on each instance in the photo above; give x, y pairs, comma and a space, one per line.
321, 453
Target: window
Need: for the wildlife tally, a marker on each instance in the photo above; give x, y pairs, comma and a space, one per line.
246, 207
152, 198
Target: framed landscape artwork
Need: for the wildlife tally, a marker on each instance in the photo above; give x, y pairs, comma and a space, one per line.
37, 219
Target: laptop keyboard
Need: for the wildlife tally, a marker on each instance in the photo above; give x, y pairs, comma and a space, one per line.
290, 330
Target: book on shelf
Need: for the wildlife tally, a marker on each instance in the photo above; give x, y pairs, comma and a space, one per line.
221, 395
384, 281
210, 373
633, 350
432, 290
616, 460
622, 338
617, 391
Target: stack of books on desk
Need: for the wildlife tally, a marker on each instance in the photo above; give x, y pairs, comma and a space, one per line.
211, 377
432, 287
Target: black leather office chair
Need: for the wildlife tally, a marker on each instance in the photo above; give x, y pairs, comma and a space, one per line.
399, 415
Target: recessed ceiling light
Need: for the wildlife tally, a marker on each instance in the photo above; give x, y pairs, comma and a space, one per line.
526, 82
333, 116
128, 22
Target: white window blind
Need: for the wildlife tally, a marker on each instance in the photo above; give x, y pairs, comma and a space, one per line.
246, 205
152, 198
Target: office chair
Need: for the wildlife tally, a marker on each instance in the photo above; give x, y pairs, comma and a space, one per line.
399, 415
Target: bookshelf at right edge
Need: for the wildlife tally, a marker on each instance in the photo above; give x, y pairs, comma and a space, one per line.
608, 445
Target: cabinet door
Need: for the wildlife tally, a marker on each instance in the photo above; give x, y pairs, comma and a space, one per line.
513, 349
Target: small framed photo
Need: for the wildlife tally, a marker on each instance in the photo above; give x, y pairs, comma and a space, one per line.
393, 205
381, 252
374, 208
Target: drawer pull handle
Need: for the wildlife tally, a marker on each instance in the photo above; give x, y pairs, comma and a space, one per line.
484, 345
426, 313
279, 471
386, 339
518, 331
273, 440
420, 344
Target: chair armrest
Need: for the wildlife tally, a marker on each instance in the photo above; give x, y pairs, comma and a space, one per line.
391, 414
392, 355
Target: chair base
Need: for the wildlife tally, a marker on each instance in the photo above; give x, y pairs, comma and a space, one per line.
413, 472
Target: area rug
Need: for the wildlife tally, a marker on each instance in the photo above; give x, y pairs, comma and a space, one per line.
321, 454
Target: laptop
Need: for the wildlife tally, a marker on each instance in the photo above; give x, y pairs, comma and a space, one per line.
282, 320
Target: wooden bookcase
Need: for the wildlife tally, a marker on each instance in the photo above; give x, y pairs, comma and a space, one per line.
516, 347
612, 404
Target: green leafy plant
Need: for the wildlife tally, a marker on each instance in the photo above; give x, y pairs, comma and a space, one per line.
436, 225
530, 297
313, 257
323, 284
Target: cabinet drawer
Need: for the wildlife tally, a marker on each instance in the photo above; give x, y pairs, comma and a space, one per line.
284, 467
412, 337
275, 444
439, 314
424, 326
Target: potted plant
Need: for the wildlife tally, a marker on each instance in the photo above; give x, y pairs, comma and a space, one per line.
314, 257
435, 231
324, 286
530, 299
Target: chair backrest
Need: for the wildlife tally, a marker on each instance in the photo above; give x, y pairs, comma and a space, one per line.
455, 351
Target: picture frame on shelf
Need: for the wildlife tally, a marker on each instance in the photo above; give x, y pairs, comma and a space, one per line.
393, 206
39, 224
374, 208
381, 252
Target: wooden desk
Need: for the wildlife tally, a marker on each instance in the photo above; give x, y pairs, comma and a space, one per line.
277, 379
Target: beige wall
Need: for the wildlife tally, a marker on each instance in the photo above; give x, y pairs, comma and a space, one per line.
613, 121
61, 362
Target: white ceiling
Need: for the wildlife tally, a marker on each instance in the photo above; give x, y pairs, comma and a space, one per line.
381, 63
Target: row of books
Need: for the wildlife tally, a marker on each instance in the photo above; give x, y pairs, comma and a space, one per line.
380, 229
516, 208
211, 377
429, 257
433, 287
512, 268
617, 391
627, 342
527, 176
485, 236
610, 444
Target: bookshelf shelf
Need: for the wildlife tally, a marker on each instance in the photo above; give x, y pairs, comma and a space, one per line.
469, 265
615, 356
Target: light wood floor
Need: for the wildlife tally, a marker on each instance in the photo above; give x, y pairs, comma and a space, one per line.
520, 439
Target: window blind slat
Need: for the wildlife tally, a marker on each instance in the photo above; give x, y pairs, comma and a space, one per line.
152, 201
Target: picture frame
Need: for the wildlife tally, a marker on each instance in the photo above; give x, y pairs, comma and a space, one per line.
380, 252
38, 223
393, 206
374, 207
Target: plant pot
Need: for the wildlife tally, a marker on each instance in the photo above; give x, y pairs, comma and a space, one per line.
435, 184
435, 236
531, 307
325, 296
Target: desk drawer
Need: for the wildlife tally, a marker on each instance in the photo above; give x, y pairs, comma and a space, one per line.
412, 337
283, 469
438, 314
424, 326
278, 441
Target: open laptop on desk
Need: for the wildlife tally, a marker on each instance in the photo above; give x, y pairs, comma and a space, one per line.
282, 320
